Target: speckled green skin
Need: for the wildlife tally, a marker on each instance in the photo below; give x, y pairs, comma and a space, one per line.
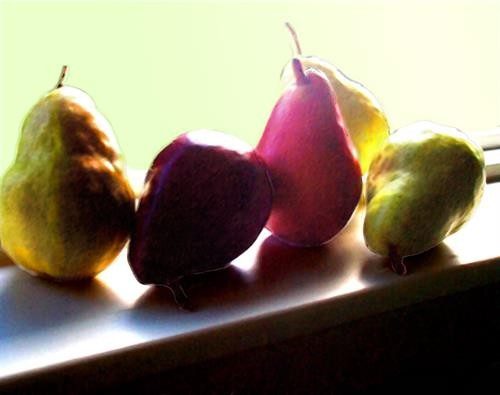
421, 187
66, 207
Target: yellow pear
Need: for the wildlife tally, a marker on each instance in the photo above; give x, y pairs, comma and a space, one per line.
363, 116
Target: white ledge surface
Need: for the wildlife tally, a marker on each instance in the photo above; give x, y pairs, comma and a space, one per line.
271, 293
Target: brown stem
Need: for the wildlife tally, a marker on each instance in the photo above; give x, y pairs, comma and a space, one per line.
61, 77
294, 37
396, 261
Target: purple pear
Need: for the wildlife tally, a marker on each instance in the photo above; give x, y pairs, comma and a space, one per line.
311, 160
207, 197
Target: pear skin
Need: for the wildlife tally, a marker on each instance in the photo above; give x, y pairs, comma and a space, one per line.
422, 187
66, 206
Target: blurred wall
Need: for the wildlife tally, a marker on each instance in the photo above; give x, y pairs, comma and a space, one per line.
158, 68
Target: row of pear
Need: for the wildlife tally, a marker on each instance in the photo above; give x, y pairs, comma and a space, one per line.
67, 208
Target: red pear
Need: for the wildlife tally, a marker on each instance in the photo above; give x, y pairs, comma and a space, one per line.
312, 162
207, 197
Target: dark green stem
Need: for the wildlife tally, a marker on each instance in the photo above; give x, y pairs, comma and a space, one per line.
396, 261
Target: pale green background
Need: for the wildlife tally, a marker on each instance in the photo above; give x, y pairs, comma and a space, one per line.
157, 69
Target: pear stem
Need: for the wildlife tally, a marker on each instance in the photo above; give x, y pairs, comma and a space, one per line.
180, 296
61, 77
295, 38
298, 71
396, 261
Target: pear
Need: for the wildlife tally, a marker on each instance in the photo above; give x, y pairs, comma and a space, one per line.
363, 116
207, 197
66, 207
312, 162
422, 187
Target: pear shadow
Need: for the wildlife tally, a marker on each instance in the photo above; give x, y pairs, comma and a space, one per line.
5, 259
376, 268
31, 304
279, 274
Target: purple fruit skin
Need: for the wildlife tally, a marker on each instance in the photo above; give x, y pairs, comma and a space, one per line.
312, 163
202, 206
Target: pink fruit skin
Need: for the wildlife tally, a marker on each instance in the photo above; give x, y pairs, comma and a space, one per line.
207, 197
312, 163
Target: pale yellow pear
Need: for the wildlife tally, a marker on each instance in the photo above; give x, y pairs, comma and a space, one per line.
363, 116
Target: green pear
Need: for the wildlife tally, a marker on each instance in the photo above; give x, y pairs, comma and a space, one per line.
421, 187
66, 206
